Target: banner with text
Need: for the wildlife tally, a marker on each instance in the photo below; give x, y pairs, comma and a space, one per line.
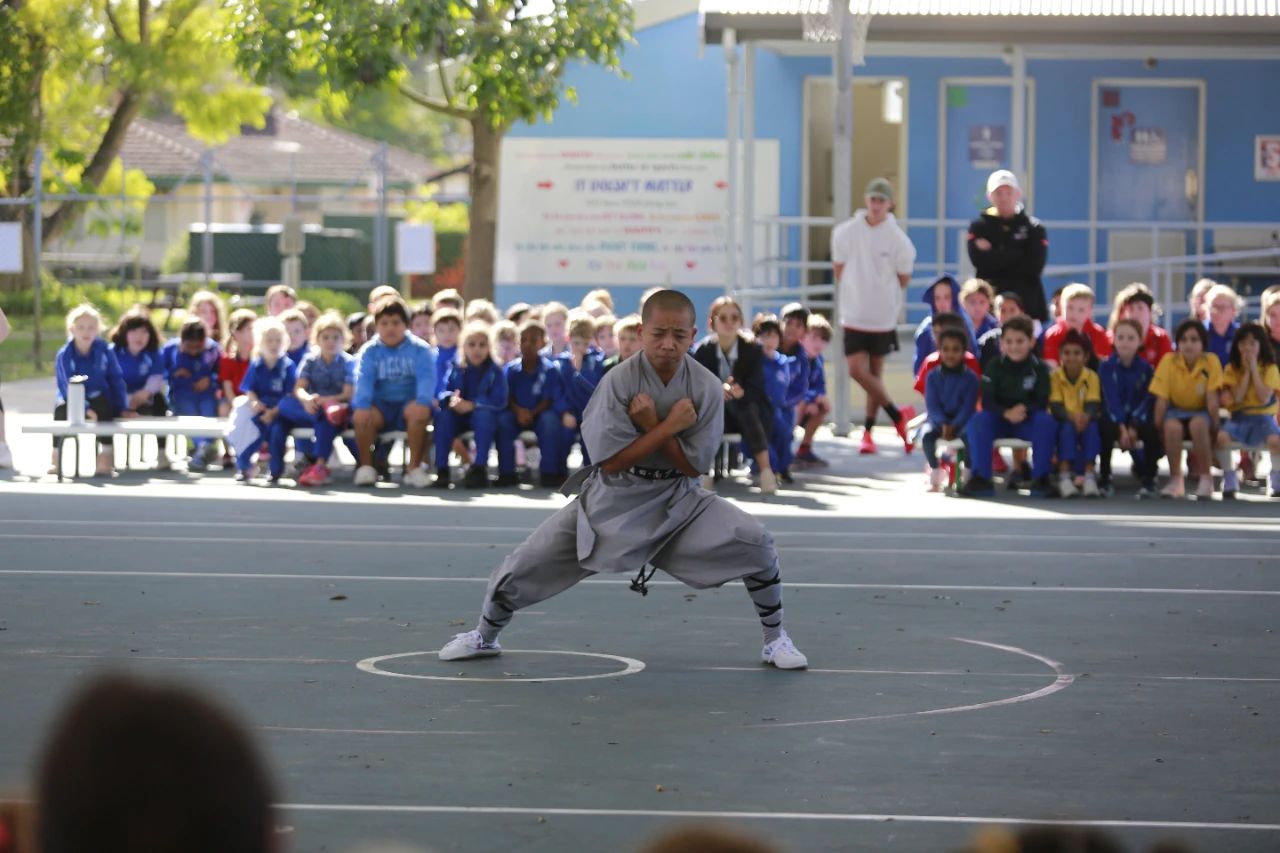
620, 211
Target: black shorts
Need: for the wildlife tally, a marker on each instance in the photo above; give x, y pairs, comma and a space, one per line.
877, 344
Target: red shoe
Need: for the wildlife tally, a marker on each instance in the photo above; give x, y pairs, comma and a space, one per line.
998, 465
868, 445
316, 475
905, 414
949, 470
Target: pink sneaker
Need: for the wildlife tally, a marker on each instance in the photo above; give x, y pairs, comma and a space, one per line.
868, 445
998, 465
316, 475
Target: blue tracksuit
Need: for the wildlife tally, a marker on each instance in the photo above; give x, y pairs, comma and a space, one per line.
325, 379
446, 358
950, 397
183, 398
390, 377
785, 381
529, 390
817, 379
101, 368
1220, 345
271, 384
297, 356
486, 386
140, 369
1125, 398
925, 343
575, 389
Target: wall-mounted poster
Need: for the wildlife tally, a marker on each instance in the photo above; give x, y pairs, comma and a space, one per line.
986, 146
1266, 158
1148, 146
621, 211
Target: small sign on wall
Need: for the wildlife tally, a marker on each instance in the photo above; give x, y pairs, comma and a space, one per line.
10, 247
986, 146
415, 249
1148, 146
1266, 157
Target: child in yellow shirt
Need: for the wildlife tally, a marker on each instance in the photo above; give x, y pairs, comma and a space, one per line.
1075, 400
1250, 385
1186, 390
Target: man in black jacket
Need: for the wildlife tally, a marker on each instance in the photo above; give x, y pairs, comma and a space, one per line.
1008, 247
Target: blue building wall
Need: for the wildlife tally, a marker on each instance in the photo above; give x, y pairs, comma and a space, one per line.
675, 92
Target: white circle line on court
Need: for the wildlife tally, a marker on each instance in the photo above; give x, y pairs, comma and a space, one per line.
630, 667
1062, 681
908, 587
669, 814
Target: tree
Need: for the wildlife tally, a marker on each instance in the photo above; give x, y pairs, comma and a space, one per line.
490, 63
74, 76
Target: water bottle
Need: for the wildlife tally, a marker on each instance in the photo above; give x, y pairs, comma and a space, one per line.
75, 400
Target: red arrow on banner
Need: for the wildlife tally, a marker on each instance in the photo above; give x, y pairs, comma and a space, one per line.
690, 264
564, 262
722, 185
545, 185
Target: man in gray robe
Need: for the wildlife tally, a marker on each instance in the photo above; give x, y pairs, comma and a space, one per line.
656, 421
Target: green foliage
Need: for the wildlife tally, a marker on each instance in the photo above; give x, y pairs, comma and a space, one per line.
343, 301
482, 60
445, 218
388, 117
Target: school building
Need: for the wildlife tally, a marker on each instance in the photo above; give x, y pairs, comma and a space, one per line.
1147, 130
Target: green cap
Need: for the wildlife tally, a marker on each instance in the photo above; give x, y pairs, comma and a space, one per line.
880, 187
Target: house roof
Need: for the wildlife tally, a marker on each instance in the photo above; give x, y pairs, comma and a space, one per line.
288, 147
1182, 23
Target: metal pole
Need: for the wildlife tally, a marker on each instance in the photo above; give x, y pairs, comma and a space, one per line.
842, 191
206, 239
37, 239
747, 272
1018, 118
380, 223
729, 42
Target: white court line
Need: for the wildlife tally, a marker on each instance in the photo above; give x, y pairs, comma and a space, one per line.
373, 731
1062, 681
630, 666
854, 817
789, 584
812, 549
526, 529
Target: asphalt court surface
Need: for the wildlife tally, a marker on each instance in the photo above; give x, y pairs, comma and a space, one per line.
1110, 662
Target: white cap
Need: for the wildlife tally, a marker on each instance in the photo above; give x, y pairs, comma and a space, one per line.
1002, 178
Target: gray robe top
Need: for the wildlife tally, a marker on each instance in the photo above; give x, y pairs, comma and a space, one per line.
625, 521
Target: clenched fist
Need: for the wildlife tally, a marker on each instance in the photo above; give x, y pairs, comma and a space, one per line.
643, 413
682, 415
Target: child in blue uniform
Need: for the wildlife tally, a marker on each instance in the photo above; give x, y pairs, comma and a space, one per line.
1222, 304
1126, 409
136, 346
950, 398
191, 364
395, 382
815, 406
532, 388
105, 398
579, 372
475, 394
785, 381
269, 380
446, 323
326, 379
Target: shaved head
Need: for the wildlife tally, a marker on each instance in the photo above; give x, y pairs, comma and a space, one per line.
668, 300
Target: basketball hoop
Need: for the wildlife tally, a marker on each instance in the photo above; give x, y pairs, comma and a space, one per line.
822, 25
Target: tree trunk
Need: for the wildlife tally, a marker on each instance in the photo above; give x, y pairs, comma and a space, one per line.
486, 144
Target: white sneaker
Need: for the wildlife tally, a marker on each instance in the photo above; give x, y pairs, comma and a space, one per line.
162, 459
469, 645
366, 475
768, 483
6, 455
937, 479
1066, 488
418, 478
1090, 489
782, 653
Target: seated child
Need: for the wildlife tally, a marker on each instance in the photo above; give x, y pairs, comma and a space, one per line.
1249, 388
1126, 408
943, 296
420, 322
234, 363
136, 346
785, 384
1186, 386
1137, 302
555, 316
1270, 315
279, 299
268, 381
950, 397
320, 399
105, 398
191, 364
1015, 392
298, 329
626, 333
813, 411
446, 323
533, 383
474, 395
1075, 400
579, 371
1196, 299
356, 329
606, 341
1077, 315
505, 342
395, 382
1221, 305
945, 320
977, 297
448, 298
